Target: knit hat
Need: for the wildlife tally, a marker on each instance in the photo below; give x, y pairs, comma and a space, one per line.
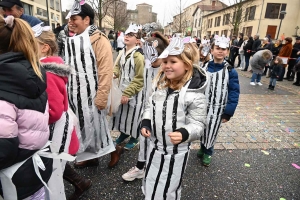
10, 3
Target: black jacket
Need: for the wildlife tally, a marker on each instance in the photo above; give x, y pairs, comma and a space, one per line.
275, 70
256, 44
296, 48
248, 47
275, 50
20, 86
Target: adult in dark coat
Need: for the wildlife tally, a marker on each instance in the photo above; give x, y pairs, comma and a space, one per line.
276, 47
247, 52
256, 44
296, 48
297, 71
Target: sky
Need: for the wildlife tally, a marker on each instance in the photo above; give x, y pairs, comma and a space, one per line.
165, 9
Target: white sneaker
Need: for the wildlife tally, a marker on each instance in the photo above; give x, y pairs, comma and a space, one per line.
133, 173
240, 68
252, 83
259, 83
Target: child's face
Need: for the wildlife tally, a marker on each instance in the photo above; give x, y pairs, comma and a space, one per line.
219, 53
131, 39
276, 61
174, 68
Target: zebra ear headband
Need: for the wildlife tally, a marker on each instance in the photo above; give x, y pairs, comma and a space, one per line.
9, 21
133, 28
38, 29
150, 52
222, 42
175, 47
76, 8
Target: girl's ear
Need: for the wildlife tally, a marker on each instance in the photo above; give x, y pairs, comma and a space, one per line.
45, 49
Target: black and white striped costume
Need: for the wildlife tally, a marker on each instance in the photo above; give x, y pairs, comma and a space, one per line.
149, 76
166, 162
128, 117
95, 138
216, 96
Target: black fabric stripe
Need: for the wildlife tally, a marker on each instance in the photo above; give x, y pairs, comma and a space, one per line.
119, 126
146, 82
88, 88
174, 120
51, 128
171, 167
154, 123
69, 50
79, 103
149, 162
163, 128
162, 160
133, 114
94, 70
70, 86
105, 125
65, 134
126, 118
182, 172
141, 107
146, 147
114, 123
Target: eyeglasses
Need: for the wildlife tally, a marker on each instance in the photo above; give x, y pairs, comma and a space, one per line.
130, 35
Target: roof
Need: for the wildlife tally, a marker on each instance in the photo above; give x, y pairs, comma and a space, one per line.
209, 8
143, 4
132, 11
232, 6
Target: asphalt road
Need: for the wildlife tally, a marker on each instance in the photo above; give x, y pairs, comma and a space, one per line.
268, 177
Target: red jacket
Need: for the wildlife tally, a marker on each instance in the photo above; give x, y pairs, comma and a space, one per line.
57, 78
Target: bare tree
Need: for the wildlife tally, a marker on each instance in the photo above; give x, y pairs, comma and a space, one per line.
179, 16
118, 11
101, 9
237, 13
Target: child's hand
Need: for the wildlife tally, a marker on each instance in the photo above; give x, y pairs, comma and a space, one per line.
145, 132
176, 137
277, 76
224, 120
124, 100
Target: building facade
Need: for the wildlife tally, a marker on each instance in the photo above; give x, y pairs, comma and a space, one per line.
189, 21
264, 17
142, 14
38, 8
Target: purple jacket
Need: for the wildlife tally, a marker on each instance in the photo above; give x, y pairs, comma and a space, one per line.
24, 119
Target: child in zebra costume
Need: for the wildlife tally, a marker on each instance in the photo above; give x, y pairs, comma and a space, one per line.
130, 71
62, 120
222, 95
174, 116
152, 48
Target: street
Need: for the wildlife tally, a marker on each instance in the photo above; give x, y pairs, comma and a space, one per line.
253, 158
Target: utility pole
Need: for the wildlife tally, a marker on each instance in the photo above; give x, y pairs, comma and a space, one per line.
180, 17
48, 14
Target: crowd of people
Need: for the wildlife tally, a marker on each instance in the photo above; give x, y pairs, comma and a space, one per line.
56, 93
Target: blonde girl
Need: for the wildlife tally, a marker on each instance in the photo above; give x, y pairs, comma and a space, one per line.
174, 116
24, 112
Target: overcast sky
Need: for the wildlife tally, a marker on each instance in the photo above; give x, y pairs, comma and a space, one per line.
165, 9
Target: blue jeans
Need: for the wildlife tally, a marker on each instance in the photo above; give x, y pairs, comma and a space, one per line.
256, 77
273, 81
247, 58
208, 151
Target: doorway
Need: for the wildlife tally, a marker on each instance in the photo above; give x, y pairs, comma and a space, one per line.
272, 31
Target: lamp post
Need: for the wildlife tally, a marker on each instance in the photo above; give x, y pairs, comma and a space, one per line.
283, 13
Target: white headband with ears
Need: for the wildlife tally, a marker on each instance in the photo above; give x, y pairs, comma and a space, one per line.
9, 21
38, 29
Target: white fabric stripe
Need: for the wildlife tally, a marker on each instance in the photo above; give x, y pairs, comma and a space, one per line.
97, 136
216, 94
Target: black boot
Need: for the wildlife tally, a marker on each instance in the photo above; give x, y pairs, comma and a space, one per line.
270, 86
81, 185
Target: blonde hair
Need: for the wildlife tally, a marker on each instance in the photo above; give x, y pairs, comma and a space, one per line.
48, 37
267, 54
20, 38
189, 56
245, 37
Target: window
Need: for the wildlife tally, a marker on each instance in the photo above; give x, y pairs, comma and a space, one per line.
247, 31
27, 8
199, 22
52, 15
250, 13
41, 12
226, 18
273, 10
57, 6
195, 23
57, 18
224, 32
209, 23
217, 21
216, 32
51, 3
